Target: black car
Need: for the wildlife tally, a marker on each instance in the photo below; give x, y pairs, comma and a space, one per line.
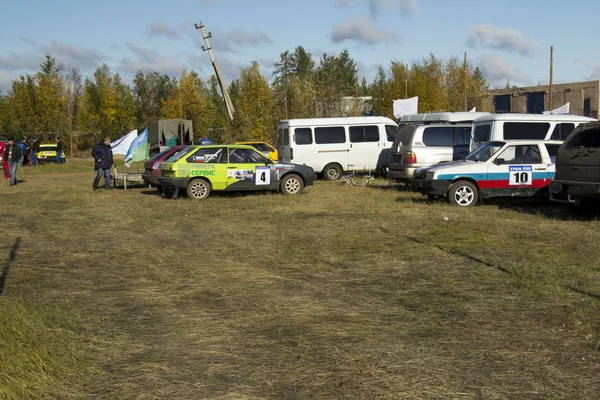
577, 176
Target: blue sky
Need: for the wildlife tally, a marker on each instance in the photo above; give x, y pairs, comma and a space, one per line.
509, 40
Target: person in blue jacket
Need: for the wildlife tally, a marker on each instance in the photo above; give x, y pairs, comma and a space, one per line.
103, 160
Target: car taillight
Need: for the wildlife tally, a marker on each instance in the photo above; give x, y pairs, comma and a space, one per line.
410, 158
291, 153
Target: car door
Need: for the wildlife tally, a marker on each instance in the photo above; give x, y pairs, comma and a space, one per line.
249, 170
517, 170
209, 163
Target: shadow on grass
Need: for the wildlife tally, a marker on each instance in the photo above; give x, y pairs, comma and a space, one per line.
12, 254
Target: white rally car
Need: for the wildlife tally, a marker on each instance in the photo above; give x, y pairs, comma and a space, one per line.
501, 168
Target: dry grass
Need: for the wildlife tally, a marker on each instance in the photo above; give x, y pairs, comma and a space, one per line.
344, 292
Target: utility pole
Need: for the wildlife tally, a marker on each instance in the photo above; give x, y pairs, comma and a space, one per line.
465, 71
551, 107
406, 81
228, 101
356, 100
180, 116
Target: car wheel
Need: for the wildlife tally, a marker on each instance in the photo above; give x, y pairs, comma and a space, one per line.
463, 193
159, 188
332, 172
198, 189
291, 184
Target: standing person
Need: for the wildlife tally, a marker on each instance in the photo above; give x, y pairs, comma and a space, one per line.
59, 149
23, 147
35, 147
103, 160
12, 155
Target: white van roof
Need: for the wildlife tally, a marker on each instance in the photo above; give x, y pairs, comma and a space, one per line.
443, 117
533, 117
337, 121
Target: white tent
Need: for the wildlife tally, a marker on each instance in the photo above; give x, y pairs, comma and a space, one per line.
120, 146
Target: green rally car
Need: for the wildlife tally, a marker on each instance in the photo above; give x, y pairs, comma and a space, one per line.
201, 169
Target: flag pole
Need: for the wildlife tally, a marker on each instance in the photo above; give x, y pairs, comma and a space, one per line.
551, 67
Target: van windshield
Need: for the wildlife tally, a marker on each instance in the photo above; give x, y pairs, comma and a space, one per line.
485, 152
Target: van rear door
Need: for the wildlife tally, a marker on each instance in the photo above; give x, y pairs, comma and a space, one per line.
283, 142
403, 138
579, 158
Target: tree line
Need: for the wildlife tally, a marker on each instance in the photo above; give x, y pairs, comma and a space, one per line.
58, 102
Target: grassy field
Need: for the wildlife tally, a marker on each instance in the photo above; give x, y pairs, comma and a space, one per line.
340, 293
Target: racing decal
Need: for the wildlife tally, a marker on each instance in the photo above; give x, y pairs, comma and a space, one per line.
263, 176
500, 180
241, 175
520, 175
202, 172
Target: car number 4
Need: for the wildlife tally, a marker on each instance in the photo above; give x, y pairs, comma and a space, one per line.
263, 176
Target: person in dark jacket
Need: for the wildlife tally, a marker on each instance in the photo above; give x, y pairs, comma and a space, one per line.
103, 160
35, 147
12, 155
59, 150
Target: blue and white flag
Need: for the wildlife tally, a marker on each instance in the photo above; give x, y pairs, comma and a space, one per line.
138, 151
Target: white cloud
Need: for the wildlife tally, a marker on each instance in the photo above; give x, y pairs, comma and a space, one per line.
408, 7
378, 6
508, 40
74, 56
498, 72
234, 41
149, 60
6, 79
156, 29
361, 30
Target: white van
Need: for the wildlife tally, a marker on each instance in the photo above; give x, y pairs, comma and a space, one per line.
524, 127
334, 145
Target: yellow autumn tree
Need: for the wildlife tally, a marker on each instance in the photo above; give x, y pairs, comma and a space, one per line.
190, 101
254, 117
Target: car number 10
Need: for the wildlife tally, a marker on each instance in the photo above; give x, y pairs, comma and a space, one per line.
520, 175
263, 176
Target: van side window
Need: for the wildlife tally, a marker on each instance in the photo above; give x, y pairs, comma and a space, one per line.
330, 134
303, 136
286, 137
482, 133
463, 135
390, 131
525, 130
359, 134
439, 136
561, 131
586, 139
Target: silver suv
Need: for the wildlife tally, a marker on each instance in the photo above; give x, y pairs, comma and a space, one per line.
417, 146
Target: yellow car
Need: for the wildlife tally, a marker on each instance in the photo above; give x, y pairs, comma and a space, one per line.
47, 153
264, 148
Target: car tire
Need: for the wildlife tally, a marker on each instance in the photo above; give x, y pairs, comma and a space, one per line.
198, 189
159, 188
463, 193
332, 172
291, 184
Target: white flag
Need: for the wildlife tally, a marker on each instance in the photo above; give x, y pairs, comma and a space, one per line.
474, 109
406, 106
560, 110
120, 146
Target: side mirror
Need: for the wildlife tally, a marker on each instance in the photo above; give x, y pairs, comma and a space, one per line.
499, 161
